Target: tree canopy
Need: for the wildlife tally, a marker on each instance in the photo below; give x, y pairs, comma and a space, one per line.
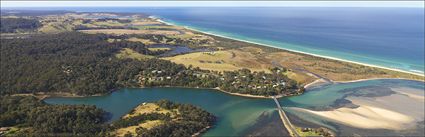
10, 25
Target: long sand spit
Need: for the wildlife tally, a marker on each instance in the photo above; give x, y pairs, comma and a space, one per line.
398, 111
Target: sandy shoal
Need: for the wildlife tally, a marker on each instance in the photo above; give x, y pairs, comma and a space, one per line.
365, 117
395, 112
411, 92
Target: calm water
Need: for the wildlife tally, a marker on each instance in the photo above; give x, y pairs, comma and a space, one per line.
235, 114
389, 37
324, 97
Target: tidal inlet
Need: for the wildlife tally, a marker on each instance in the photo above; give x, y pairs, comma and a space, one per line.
179, 69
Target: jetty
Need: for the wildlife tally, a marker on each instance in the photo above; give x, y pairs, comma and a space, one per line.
288, 125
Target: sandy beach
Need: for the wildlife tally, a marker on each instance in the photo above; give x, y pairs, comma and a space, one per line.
412, 93
242, 95
327, 57
316, 82
360, 80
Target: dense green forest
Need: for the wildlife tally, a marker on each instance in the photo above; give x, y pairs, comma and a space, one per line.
84, 64
240, 81
40, 119
69, 62
10, 25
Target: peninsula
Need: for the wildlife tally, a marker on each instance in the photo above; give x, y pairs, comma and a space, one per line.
136, 50
77, 54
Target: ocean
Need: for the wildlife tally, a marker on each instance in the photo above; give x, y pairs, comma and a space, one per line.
386, 37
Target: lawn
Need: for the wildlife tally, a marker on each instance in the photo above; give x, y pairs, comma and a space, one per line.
129, 31
144, 108
129, 53
147, 108
220, 60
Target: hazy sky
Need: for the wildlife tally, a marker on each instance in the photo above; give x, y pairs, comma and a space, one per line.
212, 4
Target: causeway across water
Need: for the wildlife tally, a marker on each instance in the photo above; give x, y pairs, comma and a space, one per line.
288, 125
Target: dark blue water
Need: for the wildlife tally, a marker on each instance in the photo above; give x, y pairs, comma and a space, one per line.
388, 37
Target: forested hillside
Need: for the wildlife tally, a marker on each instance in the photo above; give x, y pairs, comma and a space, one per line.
10, 25
31, 117
35, 118
68, 62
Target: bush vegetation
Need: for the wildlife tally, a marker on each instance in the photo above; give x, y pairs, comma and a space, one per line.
41, 119
11, 25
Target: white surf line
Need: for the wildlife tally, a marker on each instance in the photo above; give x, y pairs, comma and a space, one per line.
312, 54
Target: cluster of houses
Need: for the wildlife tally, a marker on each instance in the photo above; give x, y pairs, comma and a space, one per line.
155, 78
264, 85
157, 75
256, 81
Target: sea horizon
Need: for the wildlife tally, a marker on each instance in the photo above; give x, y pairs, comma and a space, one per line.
421, 73
403, 53
212, 71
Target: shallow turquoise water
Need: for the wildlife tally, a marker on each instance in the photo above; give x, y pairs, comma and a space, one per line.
235, 114
324, 97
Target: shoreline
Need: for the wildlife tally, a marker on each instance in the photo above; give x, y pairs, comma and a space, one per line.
201, 131
66, 95
360, 80
223, 91
43, 96
315, 82
242, 95
319, 81
296, 51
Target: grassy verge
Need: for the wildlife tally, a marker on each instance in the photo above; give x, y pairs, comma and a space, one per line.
129, 53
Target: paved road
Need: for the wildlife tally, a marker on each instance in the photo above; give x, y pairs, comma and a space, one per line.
288, 125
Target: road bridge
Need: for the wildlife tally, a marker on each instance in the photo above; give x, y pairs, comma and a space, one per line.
288, 125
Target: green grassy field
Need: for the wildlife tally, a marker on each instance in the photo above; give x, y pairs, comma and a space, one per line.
129, 53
